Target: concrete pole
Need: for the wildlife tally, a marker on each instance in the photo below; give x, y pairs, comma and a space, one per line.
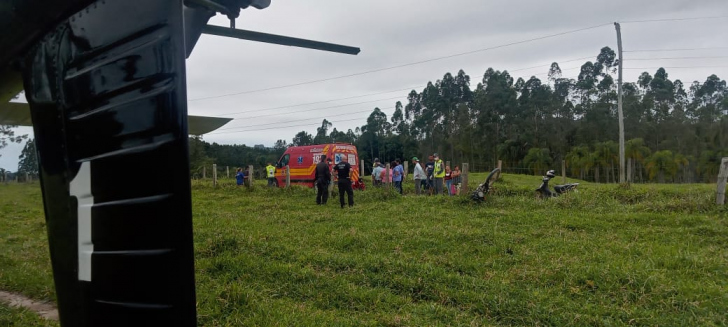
214, 175
629, 170
619, 104
386, 176
722, 177
406, 169
250, 169
361, 169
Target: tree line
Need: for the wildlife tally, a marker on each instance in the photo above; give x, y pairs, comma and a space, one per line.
675, 132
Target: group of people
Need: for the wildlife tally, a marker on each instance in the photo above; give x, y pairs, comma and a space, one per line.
242, 177
435, 178
322, 180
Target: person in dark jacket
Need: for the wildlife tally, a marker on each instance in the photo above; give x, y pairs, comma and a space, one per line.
323, 178
343, 169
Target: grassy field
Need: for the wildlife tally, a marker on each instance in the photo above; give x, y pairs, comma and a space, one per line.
17, 317
607, 255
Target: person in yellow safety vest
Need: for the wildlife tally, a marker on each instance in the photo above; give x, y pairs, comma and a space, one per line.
439, 174
270, 172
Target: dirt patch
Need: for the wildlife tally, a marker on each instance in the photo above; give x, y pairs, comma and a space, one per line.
44, 309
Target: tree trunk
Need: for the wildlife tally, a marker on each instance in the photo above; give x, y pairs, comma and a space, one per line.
642, 180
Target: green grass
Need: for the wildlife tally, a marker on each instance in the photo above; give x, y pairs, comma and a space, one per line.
607, 255
18, 317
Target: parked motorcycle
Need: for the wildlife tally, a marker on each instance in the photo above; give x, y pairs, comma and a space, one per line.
485, 187
543, 191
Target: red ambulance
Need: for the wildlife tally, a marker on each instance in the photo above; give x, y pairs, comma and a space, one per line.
302, 161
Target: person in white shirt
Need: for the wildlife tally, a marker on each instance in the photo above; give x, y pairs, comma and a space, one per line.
377, 175
419, 176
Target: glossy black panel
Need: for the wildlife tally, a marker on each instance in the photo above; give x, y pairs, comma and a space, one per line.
107, 95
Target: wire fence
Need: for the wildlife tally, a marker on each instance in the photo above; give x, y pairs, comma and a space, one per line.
596, 174
18, 177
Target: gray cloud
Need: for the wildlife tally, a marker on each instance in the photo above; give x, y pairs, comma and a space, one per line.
392, 33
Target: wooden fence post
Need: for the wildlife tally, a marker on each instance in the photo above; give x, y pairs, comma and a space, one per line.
227, 169
250, 170
361, 169
629, 170
204, 171
214, 175
386, 176
500, 169
563, 171
27, 177
288, 176
722, 176
406, 169
464, 187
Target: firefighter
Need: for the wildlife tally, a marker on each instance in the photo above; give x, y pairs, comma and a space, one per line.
343, 170
270, 171
439, 174
322, 179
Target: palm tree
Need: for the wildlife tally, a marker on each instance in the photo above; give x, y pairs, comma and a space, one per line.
606, 156
709, 164
681, 162
588, 162
637, 151
538, 159
574, 160
661, 163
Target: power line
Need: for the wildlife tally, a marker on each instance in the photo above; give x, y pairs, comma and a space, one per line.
348, 113
407, 64
541, 66
668, 50
385, 92
315, 118
317, 102
675, 67
671, 19
314, 109
279, 127
675, 58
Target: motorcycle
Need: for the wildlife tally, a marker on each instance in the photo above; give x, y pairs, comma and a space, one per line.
484, 188
543, 191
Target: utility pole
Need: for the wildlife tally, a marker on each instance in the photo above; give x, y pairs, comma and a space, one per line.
619, 104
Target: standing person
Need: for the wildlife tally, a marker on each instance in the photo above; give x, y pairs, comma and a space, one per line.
343, 169
240, 177
398, 173
429, 169
439, 174
448, 180
456, 179
419, 175
270, 171
322, 179
377, 175
374, 167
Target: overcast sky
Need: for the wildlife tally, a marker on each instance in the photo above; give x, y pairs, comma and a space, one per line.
392, 33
